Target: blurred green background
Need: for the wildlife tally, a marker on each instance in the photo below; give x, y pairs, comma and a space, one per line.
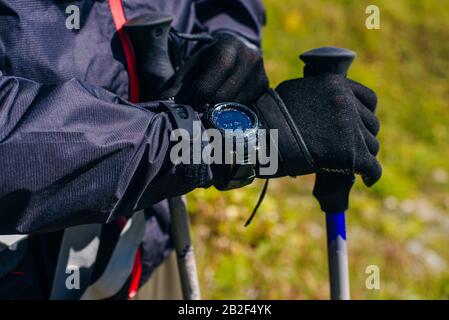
402, 224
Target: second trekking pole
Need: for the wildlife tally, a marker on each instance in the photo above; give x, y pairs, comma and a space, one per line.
149, 35
331, 187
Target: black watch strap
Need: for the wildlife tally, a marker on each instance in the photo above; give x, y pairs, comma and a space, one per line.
183, 117
237, 176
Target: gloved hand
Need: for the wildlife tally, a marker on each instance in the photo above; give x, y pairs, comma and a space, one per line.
228, 69
325, 123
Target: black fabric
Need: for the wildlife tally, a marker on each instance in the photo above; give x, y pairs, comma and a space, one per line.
11, 257
332, 191
335, 119
245, 17
93, 159
157, 243
294, 156
25, 282
229, 69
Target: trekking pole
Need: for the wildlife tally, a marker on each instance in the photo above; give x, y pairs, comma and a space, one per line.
149, 36
332, 188
188, 274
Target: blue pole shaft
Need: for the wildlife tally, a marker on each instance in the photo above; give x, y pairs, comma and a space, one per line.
337, 255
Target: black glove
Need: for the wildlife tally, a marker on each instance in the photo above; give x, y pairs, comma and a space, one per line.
228, 69
325, 123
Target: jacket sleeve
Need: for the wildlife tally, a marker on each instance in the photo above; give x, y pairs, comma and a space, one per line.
245, 17
73, 154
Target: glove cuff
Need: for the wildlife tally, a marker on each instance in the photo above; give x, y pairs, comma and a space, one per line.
295, 158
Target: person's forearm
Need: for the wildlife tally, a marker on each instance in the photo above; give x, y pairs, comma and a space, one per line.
73, 154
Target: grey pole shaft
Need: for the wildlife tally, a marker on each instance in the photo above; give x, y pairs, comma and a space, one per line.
339, 270
184, 249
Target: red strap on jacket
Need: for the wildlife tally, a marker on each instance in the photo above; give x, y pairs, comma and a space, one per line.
118, 14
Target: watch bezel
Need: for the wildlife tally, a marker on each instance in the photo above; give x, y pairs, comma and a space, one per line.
234, 105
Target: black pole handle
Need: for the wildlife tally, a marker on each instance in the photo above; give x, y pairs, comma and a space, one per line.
331, 188
149, 35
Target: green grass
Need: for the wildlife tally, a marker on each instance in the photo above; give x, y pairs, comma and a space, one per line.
401, 224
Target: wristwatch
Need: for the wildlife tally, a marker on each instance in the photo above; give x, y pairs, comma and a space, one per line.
241, 124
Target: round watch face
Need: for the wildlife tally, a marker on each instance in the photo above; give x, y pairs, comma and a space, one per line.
233, 116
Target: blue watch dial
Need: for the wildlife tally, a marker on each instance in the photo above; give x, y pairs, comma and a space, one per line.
233, 117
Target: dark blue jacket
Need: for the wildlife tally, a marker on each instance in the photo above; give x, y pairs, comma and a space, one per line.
73, 150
